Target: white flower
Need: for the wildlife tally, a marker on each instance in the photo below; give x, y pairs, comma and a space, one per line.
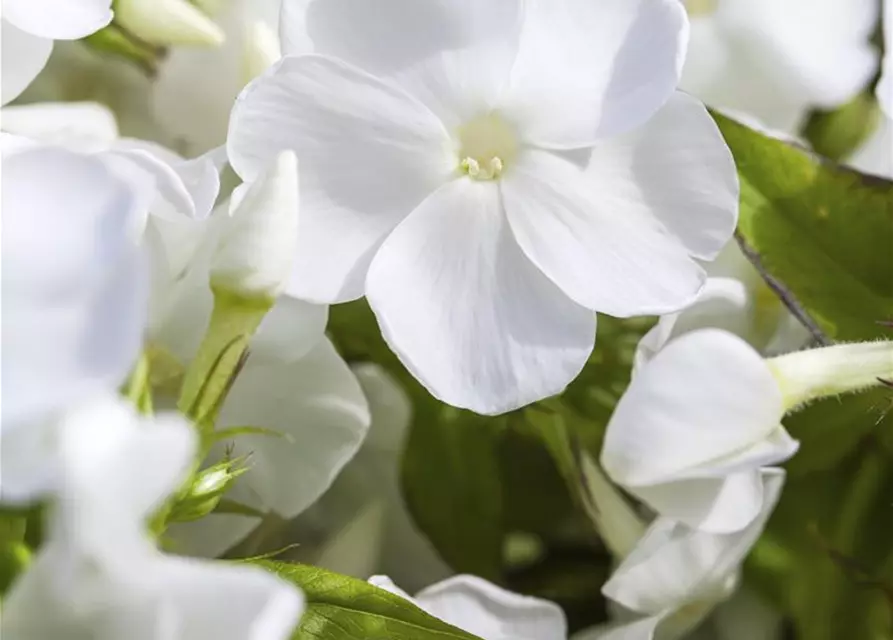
29, 28
694, 428
489, 174
489, 612
194, 90
74, 298
735, 299
676, 575
98, 574
182, 188
776, 60
362, 520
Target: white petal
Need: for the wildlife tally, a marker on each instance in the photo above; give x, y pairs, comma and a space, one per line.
515, 338
705, 397
724, 304
58, 19
211, 536
172, 199
289, 331
392, 34
673, 565
121, 461
257, 247
763, 59
604, 251
209, 600
72, 324
369, 154
24, 55
390, 407
632, 52
678, 169
319, 408
83, 126
717, 505
186, 188
638, 629
384, 582
482, 608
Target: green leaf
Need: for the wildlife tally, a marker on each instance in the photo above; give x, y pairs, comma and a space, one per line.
343, 608
820, 233
454, 489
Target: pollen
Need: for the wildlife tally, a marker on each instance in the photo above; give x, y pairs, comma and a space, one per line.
487, 145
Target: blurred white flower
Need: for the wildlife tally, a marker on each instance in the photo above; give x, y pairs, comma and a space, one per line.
776, 60
74, 298
27, 31
437, 179
694, 428
735, 299
361, 525
168, 22
195, 88
182, 188
99, 576
676, 575
489, 612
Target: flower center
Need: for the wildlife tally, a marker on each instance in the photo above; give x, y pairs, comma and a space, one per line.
487, 145
700, 7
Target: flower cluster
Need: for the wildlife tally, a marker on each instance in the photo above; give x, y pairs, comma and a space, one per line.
187, 190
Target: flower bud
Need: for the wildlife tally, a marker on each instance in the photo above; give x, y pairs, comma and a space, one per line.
209, 486
167, 22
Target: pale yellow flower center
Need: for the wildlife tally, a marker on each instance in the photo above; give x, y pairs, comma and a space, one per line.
487, 145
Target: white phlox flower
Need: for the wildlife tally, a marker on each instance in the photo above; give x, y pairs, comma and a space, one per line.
75, 294
735, 299
489, 175
183, 189
27, 31
195, 88
361, 525
485, 610
693, 430
99, 576
676, 575
777, 60
293, 382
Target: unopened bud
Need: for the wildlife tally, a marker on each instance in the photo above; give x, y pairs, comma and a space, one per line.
209, 486
168, 22
257, 248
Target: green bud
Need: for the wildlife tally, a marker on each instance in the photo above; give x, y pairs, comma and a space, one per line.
207, 489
